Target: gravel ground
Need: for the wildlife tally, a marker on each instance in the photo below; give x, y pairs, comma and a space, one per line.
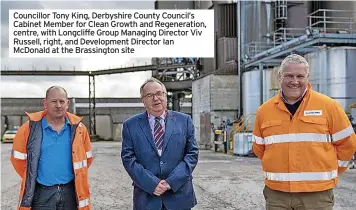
222, 182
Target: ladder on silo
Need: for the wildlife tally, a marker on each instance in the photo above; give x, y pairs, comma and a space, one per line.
280, 15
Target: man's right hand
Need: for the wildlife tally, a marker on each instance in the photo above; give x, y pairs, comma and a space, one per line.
160, 189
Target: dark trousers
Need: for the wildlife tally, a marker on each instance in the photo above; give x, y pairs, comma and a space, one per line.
164, 208
58, 197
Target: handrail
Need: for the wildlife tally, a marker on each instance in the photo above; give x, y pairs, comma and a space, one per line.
330, 10
340, 21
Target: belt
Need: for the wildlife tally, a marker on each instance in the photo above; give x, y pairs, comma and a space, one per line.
69, 184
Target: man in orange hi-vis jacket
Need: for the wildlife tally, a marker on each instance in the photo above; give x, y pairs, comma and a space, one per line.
304, 140
52, 153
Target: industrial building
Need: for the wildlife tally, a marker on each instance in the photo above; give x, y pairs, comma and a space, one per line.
251, 39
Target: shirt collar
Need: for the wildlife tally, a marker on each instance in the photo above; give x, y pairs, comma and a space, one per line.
300, 98
163, 116
46, 125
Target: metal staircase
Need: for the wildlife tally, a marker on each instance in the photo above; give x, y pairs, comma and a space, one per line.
280, 14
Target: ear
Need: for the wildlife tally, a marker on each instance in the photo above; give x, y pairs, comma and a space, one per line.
44, 102
68, 102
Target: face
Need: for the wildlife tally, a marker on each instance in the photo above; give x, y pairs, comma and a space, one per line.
294, 81
56, 103
154, 98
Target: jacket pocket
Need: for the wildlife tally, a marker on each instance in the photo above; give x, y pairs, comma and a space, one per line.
317, 125
271, 127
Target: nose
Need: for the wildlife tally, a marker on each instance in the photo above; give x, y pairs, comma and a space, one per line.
154, 97
58, 104
294, 80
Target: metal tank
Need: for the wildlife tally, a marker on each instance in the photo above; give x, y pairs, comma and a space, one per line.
251, 95
332, 72
225, 20
254, 12
270, 85
259, 15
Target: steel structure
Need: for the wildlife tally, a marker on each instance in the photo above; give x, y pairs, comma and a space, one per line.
304, 40
165, 71
177, 79
321, 27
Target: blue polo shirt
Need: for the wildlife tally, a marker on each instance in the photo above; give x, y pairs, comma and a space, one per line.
55, 164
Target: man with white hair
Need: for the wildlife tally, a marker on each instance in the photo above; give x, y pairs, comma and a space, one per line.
304, 140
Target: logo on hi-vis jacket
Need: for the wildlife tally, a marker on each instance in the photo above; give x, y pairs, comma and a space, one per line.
313, 113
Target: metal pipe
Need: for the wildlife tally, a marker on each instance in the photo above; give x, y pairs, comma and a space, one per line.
240, 48
243, 27
260, 66
268, 19
259, 21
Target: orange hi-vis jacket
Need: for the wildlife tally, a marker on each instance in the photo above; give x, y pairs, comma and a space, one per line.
306, 152
26, 153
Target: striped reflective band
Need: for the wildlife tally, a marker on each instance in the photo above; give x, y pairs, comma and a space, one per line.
258, 140
83, 203
343, 163
343, 134
19, 155
89, 154
80, 164
293, 137
300, 137
303, 176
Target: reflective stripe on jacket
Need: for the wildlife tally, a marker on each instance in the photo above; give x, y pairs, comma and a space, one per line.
26, 153
306, 152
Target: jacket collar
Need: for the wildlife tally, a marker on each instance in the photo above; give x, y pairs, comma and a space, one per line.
37, 116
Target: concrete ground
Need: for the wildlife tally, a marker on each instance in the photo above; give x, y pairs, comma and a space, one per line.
222, 182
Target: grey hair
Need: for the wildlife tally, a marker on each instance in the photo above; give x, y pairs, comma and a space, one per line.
294, 59
152, 79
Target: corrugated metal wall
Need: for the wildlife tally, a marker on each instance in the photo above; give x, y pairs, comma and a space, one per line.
226, 20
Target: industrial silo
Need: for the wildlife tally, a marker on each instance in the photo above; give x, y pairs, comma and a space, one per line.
251, 94
332, 72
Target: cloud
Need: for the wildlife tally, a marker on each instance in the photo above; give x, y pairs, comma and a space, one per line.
119, 85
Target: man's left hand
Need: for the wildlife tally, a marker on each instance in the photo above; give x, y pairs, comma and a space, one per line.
166, 184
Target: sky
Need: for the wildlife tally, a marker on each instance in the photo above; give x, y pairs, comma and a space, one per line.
117, 85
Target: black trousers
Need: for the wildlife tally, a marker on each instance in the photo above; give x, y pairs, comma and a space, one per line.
164, 208
58, 197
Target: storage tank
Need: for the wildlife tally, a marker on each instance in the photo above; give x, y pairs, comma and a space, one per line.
270, 83
255, 12
332, 72
251, 95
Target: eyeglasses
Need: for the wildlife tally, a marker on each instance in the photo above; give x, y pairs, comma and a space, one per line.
158, 94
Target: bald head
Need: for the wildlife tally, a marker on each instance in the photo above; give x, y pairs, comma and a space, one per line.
56, 88
56, 102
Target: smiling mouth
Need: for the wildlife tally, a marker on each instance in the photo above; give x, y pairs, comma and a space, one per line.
293, 87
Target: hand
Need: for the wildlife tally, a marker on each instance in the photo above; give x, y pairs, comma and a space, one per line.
166, 184
160, 189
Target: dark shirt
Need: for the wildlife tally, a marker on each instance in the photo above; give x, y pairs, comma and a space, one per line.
292, 108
